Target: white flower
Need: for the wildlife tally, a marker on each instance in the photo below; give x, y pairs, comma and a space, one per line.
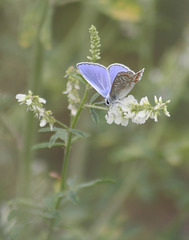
144, 101
120, 112
43, 122
155, 100
21, 98
72, 91
41, 111
125, 122
28, 102
42, 100
109, 118
77, 86
68, 88
35, 105
166, 112
141, 117
154, 115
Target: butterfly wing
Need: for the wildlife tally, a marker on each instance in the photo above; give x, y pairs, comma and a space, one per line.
115, 68
97, 76
123, 83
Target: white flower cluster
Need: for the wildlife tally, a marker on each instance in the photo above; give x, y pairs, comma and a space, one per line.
72, 88
129, 108
35, 104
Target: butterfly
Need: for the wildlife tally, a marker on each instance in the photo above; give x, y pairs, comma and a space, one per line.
113, 82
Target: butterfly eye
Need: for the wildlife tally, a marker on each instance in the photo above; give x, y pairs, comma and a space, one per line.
107, 102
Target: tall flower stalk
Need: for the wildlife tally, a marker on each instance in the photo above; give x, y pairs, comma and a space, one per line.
95, 54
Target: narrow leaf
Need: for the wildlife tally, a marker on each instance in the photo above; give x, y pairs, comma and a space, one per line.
94, 115
95, 182
46, 145
48, 129
80, 78
16, 230
72, 196
51, 215
94, 97
78, 132
58, 135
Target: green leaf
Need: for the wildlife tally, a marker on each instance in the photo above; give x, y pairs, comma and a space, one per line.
72, 196
61, 194
15, 213
16, 230
51, 215
48, 129
22, 202
75, 138
94, 97
78, 133
46, 145
94, 182
62, 135
71, 182
94, 115
51, 201
79, 77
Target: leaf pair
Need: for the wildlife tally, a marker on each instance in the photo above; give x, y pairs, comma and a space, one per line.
59, 138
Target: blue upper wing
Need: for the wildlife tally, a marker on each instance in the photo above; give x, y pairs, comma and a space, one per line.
115, 68
97, 76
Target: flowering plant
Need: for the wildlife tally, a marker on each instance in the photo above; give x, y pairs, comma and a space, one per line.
120, 112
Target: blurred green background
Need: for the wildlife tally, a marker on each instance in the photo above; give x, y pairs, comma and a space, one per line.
150, 198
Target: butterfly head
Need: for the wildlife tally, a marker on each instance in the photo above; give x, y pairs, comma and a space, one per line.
107, 101
110, 100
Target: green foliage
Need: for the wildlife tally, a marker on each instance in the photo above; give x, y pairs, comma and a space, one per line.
150, 198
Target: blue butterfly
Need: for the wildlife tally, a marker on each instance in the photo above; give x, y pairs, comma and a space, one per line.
113, 83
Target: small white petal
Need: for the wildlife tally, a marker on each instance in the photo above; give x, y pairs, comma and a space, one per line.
77, 86
166, 112
109, 119
28, 102
124, 122
144, 100
160, 100
154, 116
140, 117
21, 97
42, 100
43, 122
155, 100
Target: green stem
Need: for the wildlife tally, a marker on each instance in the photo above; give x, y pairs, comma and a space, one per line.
95, 107
62, 125
34, 85
66, 158
67, 151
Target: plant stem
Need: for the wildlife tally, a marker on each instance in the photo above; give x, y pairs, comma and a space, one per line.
67, 151
95, 107
62, 125
66, 158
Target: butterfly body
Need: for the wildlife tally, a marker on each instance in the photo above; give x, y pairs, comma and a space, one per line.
113, 83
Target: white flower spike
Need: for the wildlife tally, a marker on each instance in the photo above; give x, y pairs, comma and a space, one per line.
35, 104
139, 113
